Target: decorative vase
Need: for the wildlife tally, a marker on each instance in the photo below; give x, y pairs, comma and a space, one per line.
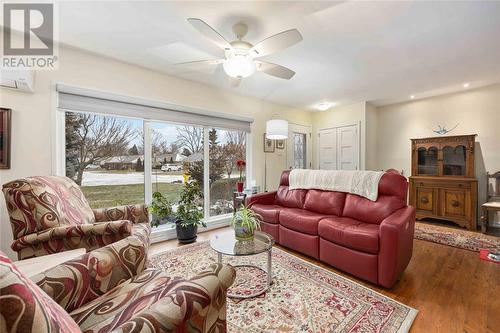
242, 233
239, 187
186, 235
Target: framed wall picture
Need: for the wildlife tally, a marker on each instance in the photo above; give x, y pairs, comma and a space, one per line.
280, 144
5, 115
268, 145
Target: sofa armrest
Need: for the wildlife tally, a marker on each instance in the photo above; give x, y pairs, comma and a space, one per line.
134, 213
396, 245
122, 228
266, 198
194, 305
85, 278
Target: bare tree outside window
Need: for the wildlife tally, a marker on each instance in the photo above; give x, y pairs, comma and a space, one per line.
190, 138
93, 139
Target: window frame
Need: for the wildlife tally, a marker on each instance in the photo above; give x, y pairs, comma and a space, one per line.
163, 232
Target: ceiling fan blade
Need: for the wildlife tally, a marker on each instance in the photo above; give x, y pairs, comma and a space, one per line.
274, 70
210, 62
234, 82
210, 33
276, 43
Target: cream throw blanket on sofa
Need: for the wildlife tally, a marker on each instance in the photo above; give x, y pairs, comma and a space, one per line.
362, 183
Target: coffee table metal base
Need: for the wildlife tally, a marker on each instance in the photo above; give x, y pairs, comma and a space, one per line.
268, 273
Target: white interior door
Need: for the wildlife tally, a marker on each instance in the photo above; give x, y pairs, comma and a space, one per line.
328, 149
339, 148
299, 147
347, 143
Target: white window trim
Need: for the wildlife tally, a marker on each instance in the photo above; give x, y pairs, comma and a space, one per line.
162, 233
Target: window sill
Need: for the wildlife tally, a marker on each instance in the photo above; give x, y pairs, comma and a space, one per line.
166, 232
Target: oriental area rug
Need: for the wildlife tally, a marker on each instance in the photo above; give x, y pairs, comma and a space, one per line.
462, 239
303, 297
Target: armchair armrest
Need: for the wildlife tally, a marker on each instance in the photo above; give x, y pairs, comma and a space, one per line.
73, 234
194, 305
85, 278
134, 213
266, 198
396, 245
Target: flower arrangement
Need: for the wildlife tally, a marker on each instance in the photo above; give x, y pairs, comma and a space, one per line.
240, 164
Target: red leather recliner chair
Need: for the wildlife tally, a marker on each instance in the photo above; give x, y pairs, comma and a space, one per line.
372, 240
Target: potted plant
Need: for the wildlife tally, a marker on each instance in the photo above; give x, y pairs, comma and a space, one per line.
240, 164
245, 221
187, 217
161, 208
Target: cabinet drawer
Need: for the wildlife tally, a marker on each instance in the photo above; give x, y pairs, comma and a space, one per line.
440, 184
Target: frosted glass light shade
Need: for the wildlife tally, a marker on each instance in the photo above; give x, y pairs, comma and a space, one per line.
277, 129
238, 65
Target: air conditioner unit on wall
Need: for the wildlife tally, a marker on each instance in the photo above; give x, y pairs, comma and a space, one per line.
22, 80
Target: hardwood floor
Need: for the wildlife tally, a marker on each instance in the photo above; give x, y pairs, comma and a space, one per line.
451, 288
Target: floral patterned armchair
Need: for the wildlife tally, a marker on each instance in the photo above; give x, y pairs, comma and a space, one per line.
108, 290
49, 214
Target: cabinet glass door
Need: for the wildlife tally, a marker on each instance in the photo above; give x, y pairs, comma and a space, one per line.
428, 161
454, 161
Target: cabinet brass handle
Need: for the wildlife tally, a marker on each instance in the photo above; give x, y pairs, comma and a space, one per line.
455, 203
424, 200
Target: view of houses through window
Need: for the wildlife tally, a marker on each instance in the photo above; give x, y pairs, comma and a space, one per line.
105, 156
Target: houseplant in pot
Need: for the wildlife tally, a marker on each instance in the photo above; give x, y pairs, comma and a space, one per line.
245, 221
240, 164
161, 209
188, 215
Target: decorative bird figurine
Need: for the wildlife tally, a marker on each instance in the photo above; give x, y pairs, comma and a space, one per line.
441, 130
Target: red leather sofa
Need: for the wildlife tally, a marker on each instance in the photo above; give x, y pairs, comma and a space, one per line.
372, 240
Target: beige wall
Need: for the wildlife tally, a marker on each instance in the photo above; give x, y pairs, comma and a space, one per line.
340, 116
371, 137
476, 111
33, 120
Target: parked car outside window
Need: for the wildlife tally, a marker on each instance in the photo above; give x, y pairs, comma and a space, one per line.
171, 167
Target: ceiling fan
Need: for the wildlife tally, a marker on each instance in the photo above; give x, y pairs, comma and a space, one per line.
241, 57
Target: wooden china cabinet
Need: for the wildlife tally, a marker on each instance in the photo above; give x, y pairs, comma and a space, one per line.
442, 185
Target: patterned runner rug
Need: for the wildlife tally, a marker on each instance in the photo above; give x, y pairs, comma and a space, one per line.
303, 297
461, 239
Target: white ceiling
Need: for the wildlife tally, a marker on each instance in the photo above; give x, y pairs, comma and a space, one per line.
381, 52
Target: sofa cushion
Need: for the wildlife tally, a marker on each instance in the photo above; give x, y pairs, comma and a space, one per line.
300, 220
350, 233
325, 202
26, 308
365, 210
290, 198
269, 213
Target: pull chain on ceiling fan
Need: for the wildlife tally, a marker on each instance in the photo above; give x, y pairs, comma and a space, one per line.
240, 56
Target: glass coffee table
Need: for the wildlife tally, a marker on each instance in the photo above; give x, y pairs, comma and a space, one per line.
226, 244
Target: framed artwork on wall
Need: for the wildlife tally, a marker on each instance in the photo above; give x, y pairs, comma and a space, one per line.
5, 115
268, 145
280, 144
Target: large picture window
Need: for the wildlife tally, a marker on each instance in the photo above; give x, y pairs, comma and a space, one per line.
105, 157
226, 147
121, 150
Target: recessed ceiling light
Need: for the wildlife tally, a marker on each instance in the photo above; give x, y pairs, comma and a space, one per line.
412, 96
466, 85
323, 106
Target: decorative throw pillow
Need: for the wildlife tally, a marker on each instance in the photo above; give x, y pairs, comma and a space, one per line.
26, 308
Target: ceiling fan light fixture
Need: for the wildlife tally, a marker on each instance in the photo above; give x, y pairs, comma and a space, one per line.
239, 65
